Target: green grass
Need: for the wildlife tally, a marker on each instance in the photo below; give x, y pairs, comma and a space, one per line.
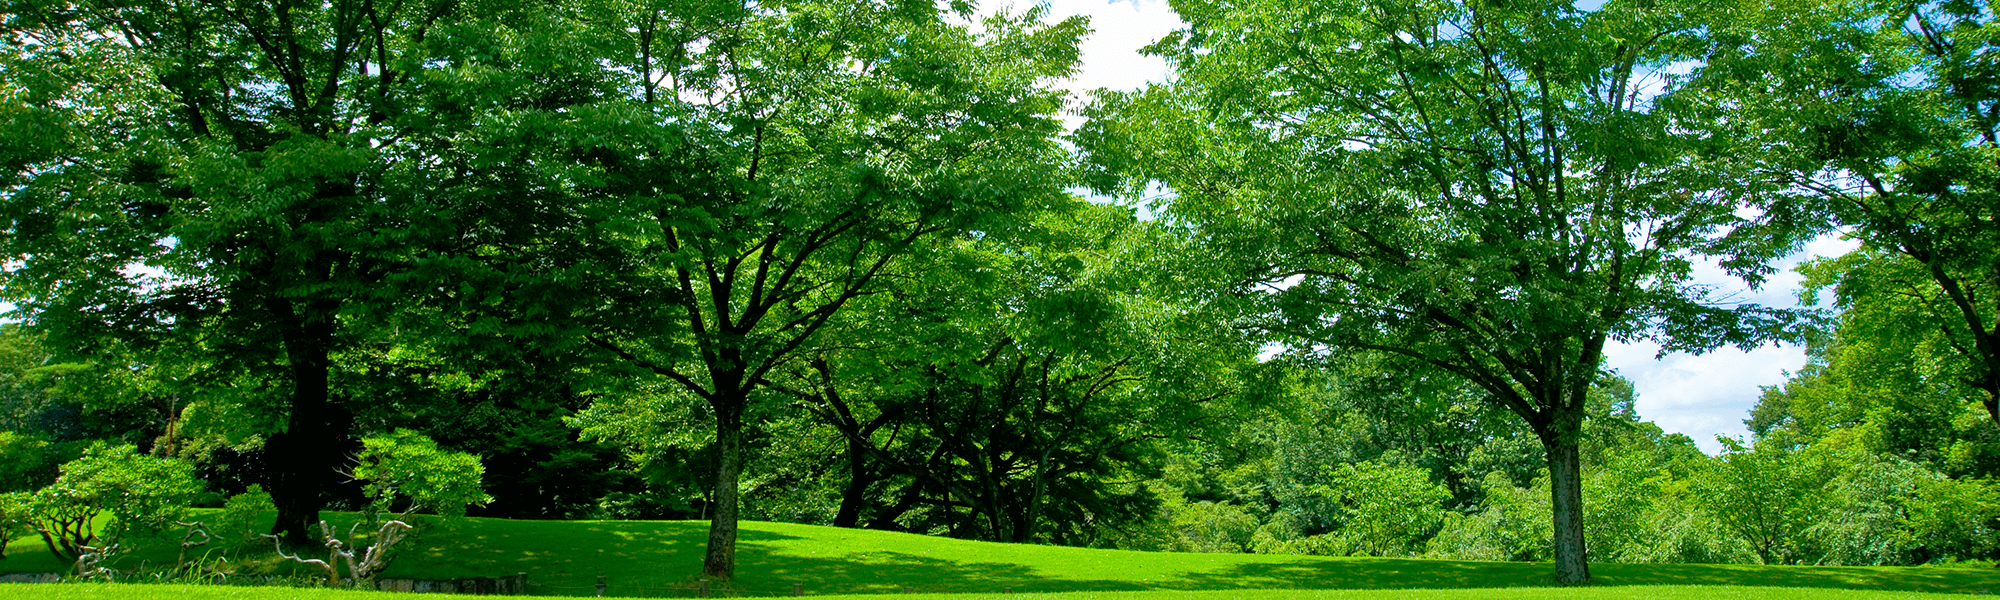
659, 558
187, 592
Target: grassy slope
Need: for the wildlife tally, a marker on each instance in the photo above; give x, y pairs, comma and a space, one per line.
652, 558
182, 592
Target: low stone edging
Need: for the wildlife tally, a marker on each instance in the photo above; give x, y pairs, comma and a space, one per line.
514, 585
31, 578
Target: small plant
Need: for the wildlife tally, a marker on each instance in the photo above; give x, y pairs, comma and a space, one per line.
406, 468
241, 523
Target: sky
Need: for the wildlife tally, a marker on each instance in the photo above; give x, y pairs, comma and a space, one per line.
1700, 396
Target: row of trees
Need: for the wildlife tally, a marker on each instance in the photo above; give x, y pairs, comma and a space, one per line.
723, 246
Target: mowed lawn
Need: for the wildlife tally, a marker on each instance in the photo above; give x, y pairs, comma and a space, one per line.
663, 558
53, 591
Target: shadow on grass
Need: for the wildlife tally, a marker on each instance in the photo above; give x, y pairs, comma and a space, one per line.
890, 571
663, 559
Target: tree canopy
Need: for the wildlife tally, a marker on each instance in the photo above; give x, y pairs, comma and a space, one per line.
1344, 283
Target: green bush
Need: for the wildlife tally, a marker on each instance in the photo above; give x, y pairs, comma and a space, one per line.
1953, 519
26, 462
403, 467
1384, 510
1209, 526
1510, 524
407, 467
241, 524
13, 518
143, 495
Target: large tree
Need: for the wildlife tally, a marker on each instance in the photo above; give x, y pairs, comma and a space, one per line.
1884, 118
764, 165
1497, 189
1005, 392
216, 188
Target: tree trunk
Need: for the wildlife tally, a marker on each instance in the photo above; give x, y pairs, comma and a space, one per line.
1992, 403
858, 480
885, 519
1566, 489
302, 460
721, 559
1031, 515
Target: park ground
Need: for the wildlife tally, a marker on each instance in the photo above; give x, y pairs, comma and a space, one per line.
662, 559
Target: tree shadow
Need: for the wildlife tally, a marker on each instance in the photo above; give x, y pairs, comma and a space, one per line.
663, 559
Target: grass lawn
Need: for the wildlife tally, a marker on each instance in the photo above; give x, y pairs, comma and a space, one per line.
663, 558
51, 591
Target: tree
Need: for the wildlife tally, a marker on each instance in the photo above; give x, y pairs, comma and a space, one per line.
1384, 510
1002, 393
1880, 117
1771, 496
1497, 189
227, 212
762, 166
1884, 371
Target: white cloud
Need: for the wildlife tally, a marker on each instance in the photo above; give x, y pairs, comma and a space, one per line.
1111, 57
1709, 395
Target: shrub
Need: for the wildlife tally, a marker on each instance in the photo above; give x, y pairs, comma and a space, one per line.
243, 516
1384, 510
13, 518
24, 462
1209, 526
142, 494
1511, 524
1953, 519
406, 467
403, 467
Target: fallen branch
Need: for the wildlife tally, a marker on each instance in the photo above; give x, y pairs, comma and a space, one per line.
332, 575
180, 562
374, 556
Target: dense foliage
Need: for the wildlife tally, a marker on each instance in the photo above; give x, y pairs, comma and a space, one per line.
1348, 290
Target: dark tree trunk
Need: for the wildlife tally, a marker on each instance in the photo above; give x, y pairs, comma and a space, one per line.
858, 480
721, 558
885, 519
1566, 491
302, 462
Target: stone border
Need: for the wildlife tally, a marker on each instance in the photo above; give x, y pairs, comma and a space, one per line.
514, 585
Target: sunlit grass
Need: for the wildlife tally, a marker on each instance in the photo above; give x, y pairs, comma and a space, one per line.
187, 592
661, 558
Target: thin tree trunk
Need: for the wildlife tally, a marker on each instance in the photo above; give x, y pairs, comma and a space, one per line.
1992, 403
721, 558
1032, 514
1566, 489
